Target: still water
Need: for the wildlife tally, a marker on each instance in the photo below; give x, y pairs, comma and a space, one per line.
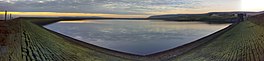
141, 37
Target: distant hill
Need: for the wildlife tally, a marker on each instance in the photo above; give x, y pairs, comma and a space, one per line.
238, 12
214, 18
174, 16
258, 19
207, 17
81, 17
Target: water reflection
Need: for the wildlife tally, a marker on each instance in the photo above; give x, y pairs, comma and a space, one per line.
140, 37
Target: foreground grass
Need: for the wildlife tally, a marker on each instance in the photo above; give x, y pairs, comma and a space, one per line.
245, 42
32, 43
21, 40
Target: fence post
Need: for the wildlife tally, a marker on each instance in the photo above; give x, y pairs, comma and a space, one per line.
5, 15
10, 16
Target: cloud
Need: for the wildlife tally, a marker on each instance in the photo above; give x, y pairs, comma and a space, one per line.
135, 7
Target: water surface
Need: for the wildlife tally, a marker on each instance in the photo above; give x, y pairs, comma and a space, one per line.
141, 37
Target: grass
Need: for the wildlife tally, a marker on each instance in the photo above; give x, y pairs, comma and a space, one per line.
33, 43
245, 42
20, 39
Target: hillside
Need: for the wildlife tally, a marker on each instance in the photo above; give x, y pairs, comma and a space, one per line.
209, 17
23, 40
244, 42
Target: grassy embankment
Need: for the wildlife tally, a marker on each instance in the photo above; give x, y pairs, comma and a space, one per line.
23, 40
245, 42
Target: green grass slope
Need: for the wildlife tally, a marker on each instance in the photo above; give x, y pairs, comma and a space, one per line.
25, 41
245, 42
22, 40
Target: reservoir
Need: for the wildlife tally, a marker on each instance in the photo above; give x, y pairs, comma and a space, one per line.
141, 37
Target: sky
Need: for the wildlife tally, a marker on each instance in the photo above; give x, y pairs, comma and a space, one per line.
118, 8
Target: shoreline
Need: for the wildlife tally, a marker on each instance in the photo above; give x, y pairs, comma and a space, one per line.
163, 54
24, 40
174, 52
93, 47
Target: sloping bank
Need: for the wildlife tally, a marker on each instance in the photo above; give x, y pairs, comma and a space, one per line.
25, 41
244, 42
158, 56
36, 43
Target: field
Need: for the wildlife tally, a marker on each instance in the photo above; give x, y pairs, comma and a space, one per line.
20, 39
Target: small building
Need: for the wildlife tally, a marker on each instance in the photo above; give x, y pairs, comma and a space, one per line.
242, 16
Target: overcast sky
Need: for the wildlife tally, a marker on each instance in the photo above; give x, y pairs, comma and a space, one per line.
120, 7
